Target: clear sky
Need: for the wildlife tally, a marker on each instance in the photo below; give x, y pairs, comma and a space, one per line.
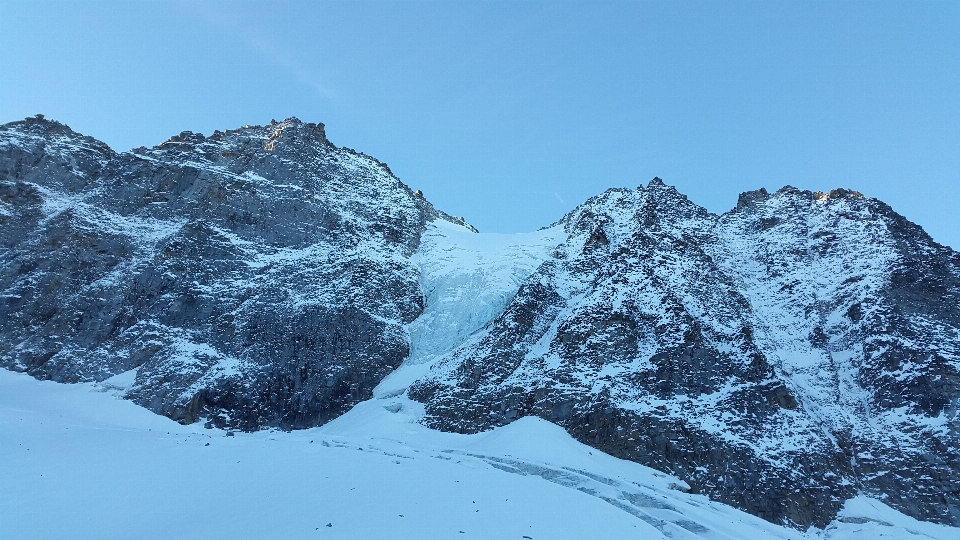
512, 113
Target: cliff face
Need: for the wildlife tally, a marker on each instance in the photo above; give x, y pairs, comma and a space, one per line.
782, 357
258, 277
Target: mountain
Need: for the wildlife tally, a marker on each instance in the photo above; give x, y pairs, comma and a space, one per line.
784, 358
255, 278
781, 358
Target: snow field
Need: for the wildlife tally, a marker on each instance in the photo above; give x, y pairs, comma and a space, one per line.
77, 462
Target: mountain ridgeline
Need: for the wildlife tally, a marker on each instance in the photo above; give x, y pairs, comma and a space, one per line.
783, 357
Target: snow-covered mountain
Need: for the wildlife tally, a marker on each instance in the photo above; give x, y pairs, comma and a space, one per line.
782, 357
788, 358
258, 277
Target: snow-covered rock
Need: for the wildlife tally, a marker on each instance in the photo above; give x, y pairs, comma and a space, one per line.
254, 278
782, 358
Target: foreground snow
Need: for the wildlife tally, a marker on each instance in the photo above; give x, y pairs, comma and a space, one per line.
77, 462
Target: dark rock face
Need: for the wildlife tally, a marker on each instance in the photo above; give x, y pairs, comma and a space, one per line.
780, 358
258, 277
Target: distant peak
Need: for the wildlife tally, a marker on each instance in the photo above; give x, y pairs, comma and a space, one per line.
39, 125
749, 197
273, 134
788, 189
661, 190
39, 121
657, 184
294, 125
839, 193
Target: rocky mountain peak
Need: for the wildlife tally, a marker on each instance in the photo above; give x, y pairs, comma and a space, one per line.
748, 197
40, 124
290, 139
50, 153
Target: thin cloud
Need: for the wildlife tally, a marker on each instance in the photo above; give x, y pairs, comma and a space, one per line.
271, 52
227, 21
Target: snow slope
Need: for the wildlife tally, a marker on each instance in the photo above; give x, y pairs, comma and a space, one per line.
78, 462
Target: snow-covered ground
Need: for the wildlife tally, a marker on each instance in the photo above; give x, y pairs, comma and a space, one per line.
78, 462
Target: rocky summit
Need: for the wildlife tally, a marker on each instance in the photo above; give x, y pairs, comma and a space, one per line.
799, 350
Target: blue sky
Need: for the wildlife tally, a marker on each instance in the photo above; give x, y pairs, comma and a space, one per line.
512, 113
